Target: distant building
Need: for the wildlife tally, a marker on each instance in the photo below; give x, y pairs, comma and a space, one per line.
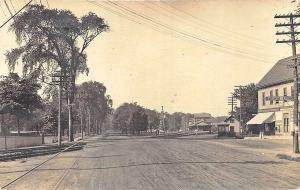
201, 122
229, 126
275, 104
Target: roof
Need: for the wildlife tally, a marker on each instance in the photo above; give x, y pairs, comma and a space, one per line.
219, 119
201, 115
230, 117
280, 73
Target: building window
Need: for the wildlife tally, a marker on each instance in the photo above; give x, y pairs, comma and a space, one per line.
263, 98
285, 123
276, 94
271, 97
284, 93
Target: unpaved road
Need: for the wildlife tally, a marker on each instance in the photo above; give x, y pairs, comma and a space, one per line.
142, 163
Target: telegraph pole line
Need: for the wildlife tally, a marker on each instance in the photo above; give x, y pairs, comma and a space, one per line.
58, 78
292, 33
241, 87
232, 102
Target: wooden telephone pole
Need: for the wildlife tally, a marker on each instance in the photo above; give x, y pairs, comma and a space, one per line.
292, 33
59, 79
240, 88
232, 102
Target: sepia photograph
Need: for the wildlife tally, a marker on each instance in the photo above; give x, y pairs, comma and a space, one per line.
149, 94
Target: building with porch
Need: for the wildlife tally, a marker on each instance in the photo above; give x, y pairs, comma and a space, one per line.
275, 100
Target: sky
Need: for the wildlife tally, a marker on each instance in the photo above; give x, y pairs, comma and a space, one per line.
184, 55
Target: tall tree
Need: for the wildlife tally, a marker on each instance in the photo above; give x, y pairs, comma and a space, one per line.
130, 117
19, 96
153, 119
249, 102
94, 103
138, 121
50, 39
178, 120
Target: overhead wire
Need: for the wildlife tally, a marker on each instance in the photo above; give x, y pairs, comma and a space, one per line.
203, 41
211, 24
3, 11
12, 6
251, 48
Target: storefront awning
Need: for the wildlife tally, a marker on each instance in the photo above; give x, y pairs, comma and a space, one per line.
261, 118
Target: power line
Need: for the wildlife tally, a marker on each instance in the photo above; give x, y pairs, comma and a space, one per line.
8, 8
15, 13
187, 38
205, 29
210, 24
205, 42
114, 12
12, 6
3, 11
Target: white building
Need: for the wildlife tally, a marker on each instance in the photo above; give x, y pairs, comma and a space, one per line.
275, 104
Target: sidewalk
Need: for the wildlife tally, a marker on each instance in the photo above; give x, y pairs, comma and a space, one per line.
274, 137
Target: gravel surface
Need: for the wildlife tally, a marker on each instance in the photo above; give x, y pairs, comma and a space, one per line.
143, 163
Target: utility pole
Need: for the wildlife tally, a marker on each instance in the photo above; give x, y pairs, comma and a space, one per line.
232, 102
58, 79
240, 88
292, 33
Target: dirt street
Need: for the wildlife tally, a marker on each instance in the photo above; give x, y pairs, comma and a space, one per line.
182, 163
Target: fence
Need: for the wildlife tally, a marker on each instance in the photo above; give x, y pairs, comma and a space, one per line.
20, 141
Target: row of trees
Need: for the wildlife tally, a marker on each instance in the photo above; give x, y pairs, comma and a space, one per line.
51, 40
133, 118
248, 96
21, 106
19, 99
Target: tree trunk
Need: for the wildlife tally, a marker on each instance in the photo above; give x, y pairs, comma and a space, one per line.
18, 126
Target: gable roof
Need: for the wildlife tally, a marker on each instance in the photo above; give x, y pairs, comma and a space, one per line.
230, 117
280, 73
219, 119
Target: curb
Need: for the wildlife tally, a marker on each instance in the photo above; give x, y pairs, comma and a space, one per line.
38, 151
